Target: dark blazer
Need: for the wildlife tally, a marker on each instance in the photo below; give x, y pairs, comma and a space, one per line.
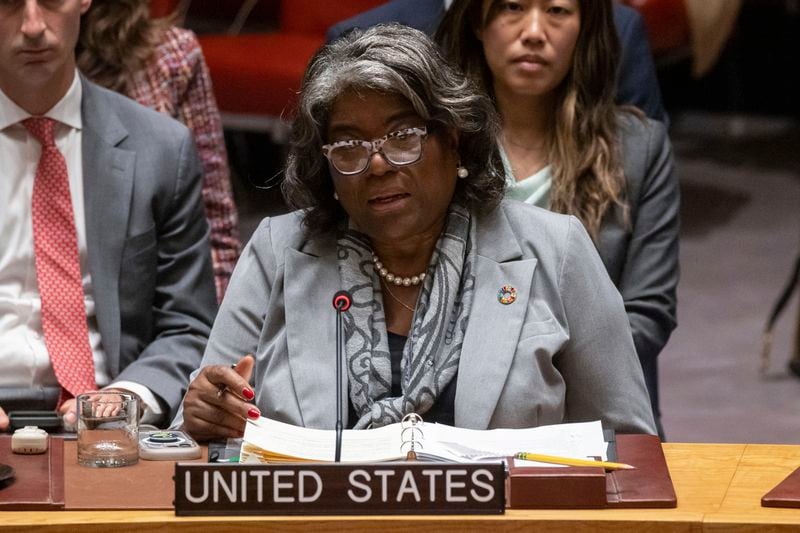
562, 352
423, 15
642, 259
637, 83
147, 240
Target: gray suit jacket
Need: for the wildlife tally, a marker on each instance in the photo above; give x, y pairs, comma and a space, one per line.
642, 259
147, 241
561, 352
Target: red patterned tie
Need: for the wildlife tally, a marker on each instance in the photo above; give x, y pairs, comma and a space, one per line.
58, 269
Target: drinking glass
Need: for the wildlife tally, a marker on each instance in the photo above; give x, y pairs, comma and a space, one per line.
108, 429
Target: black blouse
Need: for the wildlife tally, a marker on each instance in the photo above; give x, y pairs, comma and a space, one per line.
443, 411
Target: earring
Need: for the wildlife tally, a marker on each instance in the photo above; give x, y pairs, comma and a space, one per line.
335, 196
462, 172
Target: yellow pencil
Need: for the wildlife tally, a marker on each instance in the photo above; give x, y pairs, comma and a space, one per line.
570, 461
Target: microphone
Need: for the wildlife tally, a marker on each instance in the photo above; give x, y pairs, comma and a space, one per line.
341, 303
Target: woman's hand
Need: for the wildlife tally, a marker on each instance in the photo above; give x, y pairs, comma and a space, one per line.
216, 404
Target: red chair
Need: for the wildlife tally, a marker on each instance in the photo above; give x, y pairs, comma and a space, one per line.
163, 8
257, 76
667, 25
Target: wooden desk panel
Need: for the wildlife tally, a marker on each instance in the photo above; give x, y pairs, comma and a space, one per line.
103, 488
517, 521
760, 469
714, 483
701, 473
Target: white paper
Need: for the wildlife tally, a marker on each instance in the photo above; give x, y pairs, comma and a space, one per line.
577, 440
366, 446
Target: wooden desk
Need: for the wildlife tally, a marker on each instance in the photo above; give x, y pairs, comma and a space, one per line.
719, 488
760, 468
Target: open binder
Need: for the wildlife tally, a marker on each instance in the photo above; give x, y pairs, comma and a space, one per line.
270, 441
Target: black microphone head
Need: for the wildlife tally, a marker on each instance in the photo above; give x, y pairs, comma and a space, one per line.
342, 301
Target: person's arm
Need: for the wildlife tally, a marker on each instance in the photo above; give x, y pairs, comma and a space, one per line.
236, 332
601, 370
649, 278
637, 82
183, 301
197, 108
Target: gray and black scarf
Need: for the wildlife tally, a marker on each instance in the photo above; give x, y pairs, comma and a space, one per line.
433, 349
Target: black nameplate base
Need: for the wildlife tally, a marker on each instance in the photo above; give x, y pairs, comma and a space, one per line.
339, 489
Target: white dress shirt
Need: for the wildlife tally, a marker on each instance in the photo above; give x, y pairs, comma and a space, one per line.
24, 361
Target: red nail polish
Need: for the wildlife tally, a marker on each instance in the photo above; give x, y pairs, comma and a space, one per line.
253, 413
248, 393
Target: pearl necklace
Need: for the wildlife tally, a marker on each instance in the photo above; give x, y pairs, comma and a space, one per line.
392, 278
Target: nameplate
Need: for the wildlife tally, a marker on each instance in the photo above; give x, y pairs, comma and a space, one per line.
339, 489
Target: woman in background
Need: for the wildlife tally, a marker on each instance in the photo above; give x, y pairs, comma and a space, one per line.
162, 67
550, 67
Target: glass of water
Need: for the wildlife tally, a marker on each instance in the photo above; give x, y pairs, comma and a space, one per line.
108, 429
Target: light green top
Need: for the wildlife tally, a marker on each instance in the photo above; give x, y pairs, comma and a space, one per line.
534, 189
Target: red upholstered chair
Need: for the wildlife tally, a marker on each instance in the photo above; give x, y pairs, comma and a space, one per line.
667, 25
257, 75
162, 8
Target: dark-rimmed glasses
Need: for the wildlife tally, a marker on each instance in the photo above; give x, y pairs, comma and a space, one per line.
399, 148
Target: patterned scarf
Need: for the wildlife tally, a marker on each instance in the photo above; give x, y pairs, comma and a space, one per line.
433, 349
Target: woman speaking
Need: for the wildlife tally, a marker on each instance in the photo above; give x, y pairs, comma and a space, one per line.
466, 309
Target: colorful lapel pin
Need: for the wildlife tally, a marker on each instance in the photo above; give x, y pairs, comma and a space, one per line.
507, 295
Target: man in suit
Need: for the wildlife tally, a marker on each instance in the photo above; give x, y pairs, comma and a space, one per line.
637, 81
105, 271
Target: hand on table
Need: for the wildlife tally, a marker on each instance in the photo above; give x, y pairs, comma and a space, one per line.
106, 405
69, 410
216, 404
69, 414
103, 406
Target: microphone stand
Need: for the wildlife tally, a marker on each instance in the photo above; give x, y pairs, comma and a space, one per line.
341, 302
338, 386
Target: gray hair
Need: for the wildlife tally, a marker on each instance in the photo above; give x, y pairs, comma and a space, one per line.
391, 59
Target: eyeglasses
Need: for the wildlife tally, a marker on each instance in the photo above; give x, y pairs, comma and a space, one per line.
399, 148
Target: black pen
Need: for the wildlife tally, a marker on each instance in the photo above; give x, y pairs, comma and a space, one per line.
221, 388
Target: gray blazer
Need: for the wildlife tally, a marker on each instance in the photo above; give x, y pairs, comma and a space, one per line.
147, 241
561, 352
642, 259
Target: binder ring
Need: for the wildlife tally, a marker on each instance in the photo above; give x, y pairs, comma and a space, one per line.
410, 424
